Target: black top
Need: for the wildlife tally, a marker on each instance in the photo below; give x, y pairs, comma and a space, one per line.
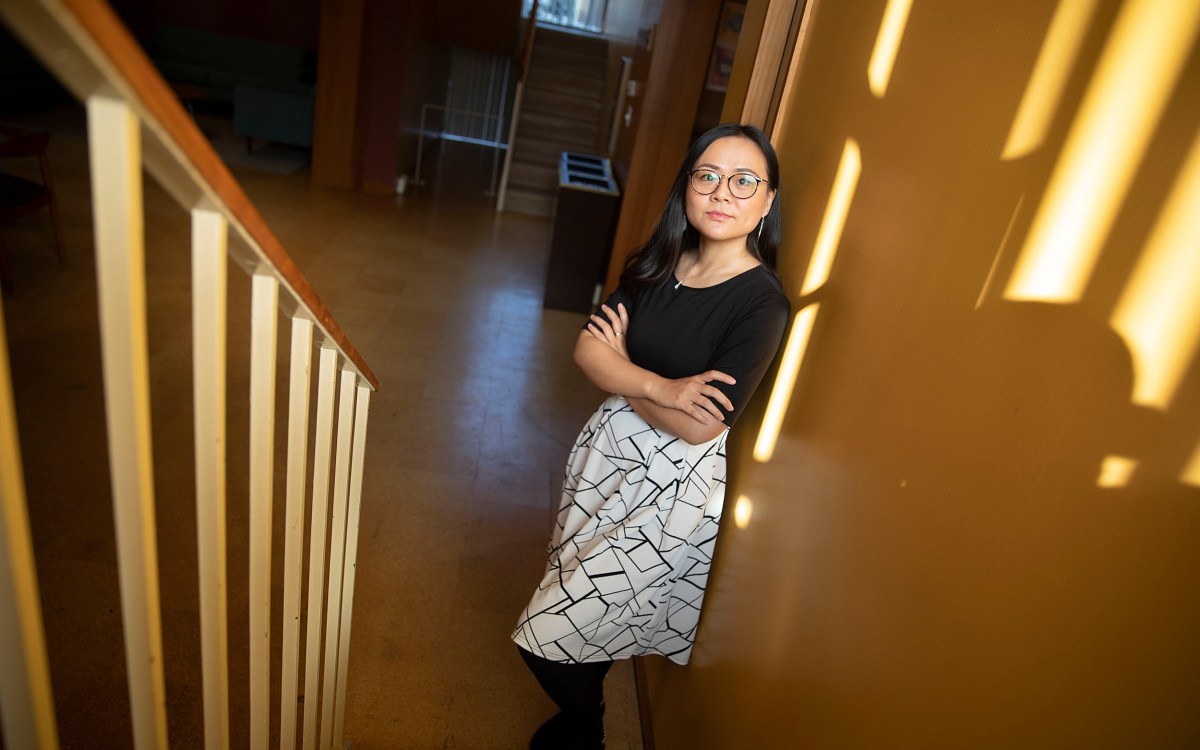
734, 327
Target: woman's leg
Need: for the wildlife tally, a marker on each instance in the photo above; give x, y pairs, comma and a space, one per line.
578, 691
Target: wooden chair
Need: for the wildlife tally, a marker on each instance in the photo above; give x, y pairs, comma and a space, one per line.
20, 197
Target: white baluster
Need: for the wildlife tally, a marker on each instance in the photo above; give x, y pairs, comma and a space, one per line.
293, 550
116, 170
264, 317
209, 299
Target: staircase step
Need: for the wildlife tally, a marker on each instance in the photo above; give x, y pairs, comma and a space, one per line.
533, 140
547, 152
530, 176
570, 104
519, 201
563, 80
553, 127
569, 60
549, 37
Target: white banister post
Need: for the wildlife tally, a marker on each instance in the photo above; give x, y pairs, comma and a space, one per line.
116, 172
26, 702
293, 550
323, 440
264, 316
337, 547
209, 299
356, 474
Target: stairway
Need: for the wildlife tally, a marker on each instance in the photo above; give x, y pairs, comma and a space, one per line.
562, 110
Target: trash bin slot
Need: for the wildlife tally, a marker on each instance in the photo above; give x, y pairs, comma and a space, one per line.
582, 160
589, 182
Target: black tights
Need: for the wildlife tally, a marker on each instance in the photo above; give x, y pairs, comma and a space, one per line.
578, 691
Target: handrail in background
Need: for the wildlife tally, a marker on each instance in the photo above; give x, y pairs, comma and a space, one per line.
518, 100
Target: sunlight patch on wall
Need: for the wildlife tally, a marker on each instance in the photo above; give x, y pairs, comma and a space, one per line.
743, 509
887, 44
830, 234
829, 238
785, 383
1159, 313
1115, 471
1191, 472
1139, 67
1059, 50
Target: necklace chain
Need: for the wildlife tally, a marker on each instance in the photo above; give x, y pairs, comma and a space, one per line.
679, 283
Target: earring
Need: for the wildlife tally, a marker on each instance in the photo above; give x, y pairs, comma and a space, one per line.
685, 225
760, 226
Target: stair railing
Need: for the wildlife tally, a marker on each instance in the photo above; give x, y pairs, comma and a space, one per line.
135, 121
518, 98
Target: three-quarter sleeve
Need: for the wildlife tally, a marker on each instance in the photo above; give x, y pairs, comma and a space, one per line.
746, 351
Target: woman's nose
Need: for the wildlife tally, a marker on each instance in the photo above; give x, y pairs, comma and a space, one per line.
722, 191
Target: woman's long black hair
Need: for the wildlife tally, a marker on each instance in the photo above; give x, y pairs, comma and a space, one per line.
655, 261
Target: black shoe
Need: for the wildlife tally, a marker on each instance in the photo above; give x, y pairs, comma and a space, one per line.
563, 732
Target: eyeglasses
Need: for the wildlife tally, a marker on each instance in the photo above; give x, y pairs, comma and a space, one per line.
741, 184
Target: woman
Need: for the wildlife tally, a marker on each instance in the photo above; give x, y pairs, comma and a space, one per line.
682, 344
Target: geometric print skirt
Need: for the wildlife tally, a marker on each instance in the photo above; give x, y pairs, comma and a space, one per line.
632, 547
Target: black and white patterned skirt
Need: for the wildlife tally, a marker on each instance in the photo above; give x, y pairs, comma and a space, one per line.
631, 552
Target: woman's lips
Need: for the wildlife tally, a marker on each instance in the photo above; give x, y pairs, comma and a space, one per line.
717, 215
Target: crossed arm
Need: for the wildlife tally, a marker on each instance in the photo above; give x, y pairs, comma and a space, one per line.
683, 407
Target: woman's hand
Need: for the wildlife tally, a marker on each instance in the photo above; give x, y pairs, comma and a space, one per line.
613, 330
694, 396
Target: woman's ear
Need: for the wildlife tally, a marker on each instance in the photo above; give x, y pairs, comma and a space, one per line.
767, 206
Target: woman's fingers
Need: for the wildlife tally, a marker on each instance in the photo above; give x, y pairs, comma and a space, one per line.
701, 401
712, 393
603, 325
593, 329
717, 375
618, 319
715, 394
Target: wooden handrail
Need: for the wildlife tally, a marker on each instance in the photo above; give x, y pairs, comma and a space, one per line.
527, 41
100, 56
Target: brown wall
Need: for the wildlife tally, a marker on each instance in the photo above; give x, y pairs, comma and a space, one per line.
380, 61
404, 67
493, 26
930, 561
338, 124
664, 113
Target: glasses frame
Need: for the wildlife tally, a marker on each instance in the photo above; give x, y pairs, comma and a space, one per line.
725, 178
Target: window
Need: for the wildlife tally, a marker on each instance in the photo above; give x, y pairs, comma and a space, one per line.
587, 15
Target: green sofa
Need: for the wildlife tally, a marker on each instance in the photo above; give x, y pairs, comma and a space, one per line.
270, 86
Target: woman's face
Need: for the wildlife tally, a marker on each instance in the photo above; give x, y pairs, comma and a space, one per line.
720, 215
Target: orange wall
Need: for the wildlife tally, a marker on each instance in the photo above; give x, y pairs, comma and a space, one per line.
930, 561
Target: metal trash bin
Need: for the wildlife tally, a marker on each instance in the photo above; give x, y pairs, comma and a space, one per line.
584, 220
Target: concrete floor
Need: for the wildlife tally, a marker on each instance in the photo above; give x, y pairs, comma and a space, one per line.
478, 405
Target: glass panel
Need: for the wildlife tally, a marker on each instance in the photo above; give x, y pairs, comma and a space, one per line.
587, 15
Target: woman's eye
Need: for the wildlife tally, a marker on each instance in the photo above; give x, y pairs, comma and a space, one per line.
709, 176
745, 180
